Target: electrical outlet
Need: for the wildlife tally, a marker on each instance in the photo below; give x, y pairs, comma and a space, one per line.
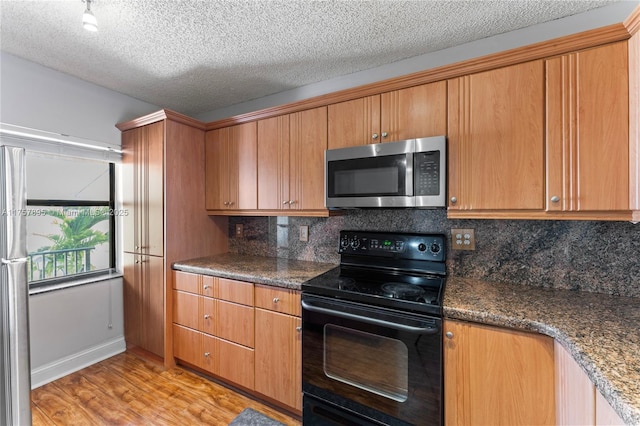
239, 230
463, 239
304, 233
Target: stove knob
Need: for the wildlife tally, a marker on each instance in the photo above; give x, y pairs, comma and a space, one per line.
355, 243
422, 247
344, 243
435, 248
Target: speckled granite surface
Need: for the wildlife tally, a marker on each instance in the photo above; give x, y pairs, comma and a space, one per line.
602, 332
287, 273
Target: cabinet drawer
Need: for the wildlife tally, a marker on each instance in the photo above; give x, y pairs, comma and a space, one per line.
185, 309
186, 282
235, 291
235, 323
207, 315
187, 345
236, 363
278, 299
208, 286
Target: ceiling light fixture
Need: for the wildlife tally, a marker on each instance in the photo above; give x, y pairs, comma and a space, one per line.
89, 21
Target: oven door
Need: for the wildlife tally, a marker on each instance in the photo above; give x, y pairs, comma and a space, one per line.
379, 175
381, 364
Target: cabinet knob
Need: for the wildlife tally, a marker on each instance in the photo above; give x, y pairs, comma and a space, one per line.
231, 203
206, 354
453, 200
276, 300
298, 329
292, 202
285, 202
206, 287
555, 199
137, 261
449, 335
207, 316
226, 203
374, 136
137, 247
385, 134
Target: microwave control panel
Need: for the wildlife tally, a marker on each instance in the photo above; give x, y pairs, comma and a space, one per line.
426, 166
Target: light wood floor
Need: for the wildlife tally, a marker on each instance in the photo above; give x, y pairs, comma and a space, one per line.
129, 390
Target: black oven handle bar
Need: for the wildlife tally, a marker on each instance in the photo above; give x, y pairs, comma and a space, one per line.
402, 327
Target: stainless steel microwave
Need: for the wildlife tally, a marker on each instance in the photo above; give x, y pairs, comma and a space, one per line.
410, 173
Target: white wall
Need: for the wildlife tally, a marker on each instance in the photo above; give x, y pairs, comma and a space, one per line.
612, 14
70, 326
40, 98
74, 327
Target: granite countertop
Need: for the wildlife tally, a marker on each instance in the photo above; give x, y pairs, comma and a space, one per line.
274, 271
601, 332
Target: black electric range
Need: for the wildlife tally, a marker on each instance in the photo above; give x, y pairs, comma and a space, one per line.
395, 270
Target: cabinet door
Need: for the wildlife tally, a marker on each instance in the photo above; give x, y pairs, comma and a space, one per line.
132, 298
414, 112
588, 130
277, 357
236, 363
273, 167
152, 201
308, 141
153, 304
131, 145
243, 183
218, 170
496, 140
497, 376
355, 122
575, 394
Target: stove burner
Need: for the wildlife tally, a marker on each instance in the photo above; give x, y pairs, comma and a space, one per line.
345, 283
402, 291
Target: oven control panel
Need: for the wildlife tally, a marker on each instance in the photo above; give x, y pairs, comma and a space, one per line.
389, 244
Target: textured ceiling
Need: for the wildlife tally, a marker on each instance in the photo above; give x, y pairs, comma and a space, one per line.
197, 56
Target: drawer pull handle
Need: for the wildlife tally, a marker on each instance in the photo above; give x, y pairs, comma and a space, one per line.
298, 329
206, 354
207, 316
206, 287
449, 335
276, 300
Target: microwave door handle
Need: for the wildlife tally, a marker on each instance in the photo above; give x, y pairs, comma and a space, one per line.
409, 175
374, 321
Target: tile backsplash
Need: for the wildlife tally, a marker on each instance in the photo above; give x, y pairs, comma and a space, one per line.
601, 257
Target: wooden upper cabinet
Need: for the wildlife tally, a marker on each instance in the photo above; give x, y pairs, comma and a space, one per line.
495, 376
588, 130
413, 112
496, 139
291, 161
231, 168
273, 167
143, 189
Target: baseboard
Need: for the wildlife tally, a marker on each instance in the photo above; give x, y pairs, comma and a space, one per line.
60, 368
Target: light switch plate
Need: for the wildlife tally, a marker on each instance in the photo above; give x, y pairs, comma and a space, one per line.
463, 239
304, 233
239, 230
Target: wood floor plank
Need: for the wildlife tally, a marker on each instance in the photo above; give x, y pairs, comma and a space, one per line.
59, 407
128, 389
100, 405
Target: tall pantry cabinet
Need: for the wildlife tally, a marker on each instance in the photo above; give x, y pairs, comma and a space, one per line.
162, 180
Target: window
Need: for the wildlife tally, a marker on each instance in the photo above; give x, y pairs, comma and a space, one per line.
70, 225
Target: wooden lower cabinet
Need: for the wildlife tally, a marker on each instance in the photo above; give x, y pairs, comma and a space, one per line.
497, 376
278, 357
577, 400
236, 363
187, 345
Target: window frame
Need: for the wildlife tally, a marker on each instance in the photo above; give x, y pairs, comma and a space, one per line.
110, 204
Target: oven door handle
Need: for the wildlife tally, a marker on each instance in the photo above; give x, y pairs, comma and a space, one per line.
402, 327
